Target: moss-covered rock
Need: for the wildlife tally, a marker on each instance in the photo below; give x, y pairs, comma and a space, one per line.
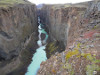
53, 47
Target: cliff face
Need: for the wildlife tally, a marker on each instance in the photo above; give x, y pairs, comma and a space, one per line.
78, 26
62, 22
18, 35
52, 18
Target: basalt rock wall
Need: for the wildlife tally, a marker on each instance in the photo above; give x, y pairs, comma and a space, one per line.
62, 22
83, 38
18, 36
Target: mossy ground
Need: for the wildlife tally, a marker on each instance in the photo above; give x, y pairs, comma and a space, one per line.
7, 3
90, 67
12, 1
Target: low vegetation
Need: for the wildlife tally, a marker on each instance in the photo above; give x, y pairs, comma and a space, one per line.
6, 3
91, 68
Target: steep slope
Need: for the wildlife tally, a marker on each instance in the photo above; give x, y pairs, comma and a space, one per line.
18, 34
78, 27
61, 21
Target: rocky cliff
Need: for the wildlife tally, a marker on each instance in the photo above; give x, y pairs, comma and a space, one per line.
57, 19
61, 21
78, 27
18, 35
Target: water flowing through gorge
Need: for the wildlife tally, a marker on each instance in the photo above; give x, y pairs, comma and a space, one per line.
49, 39
40, 54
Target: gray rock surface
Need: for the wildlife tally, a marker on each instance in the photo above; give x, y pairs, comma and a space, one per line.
18, 34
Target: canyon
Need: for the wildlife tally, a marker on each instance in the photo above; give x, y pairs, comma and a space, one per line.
68, 33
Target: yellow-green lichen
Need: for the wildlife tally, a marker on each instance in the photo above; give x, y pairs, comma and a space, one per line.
71, 53
91, 67
69, 68
74, 52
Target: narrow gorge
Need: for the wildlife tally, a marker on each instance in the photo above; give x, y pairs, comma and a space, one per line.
40, 54
53, 39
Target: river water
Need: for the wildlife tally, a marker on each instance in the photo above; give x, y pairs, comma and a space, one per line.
40, 54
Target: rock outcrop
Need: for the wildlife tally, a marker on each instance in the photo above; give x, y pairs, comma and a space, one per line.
61, 22
18, 35
78, 27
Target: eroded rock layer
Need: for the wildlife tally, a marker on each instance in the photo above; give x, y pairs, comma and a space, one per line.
18, 35
78, 27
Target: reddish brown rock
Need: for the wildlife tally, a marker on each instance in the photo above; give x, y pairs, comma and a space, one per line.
67, 24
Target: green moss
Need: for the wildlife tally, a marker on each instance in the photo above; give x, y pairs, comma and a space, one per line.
12, 1
90, 68
74, 52
6, 3
71, 53
52, 47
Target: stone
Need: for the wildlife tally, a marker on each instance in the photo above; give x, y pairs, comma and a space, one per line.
63, 57
91, 45
43, 36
